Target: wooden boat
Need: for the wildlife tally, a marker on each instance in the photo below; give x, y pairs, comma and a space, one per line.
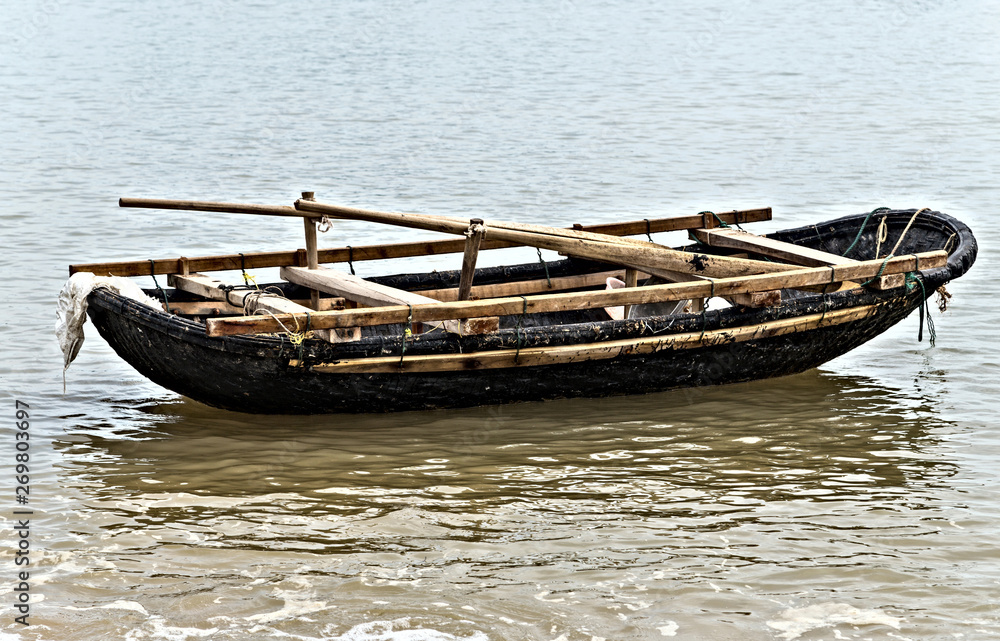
327, 341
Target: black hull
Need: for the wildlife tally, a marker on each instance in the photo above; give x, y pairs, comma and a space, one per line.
252, 374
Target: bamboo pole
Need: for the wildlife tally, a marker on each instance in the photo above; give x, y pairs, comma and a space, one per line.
202, 205
259, 260
648, 257
588, 300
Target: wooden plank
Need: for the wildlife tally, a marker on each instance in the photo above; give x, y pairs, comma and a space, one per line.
558, 355
362, 291
211, 288
519, 288
473, 239
590, 300
781, 250
260, 260
642, 255
217, 308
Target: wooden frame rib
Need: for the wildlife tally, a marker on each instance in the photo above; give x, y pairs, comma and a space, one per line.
565, 354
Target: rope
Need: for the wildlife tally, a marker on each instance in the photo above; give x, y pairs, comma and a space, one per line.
152, 272
648, 230
826, 307
247, 278
704, 312
898, 243
883, 233
545, 265
406, 334
925, 311
302, 337
721, 222
863, 225
947, 243
907, 228
879, 274
236, 288
518, 326
350, 259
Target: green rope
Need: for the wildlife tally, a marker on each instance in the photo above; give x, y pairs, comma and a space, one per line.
704, 312
721, 222
152, 272
518, 326
864, 224
545, 265
648, 235
350, 259
925, 312
880, 270
406, 334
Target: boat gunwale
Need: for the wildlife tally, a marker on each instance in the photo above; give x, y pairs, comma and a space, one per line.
959, 260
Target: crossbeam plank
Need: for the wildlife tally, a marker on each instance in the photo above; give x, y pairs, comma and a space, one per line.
212, 289
369, 294
781, 250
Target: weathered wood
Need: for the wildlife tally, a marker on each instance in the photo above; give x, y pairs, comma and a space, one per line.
312, 261
362, 291
637, 254
211, 288
259, 260
590, 300
202, 205
631, 279
218, 307
518, 288
780, 250
473, 239
752, 299
555, 355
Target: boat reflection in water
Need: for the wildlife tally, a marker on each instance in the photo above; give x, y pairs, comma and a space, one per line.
735, 447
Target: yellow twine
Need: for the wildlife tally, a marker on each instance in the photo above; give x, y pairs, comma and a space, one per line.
883, 233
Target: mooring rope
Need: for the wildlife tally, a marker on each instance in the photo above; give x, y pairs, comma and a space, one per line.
518, 326
545, 265
350, 259
924, 307
899, 242
247, 278
864, 223
408, 332
648, 235
704, 311
883, 233
152, 272
907, 228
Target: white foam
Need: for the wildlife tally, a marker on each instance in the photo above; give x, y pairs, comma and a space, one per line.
670, 629
155, 628
795, 622
117, 605
290, 610
399, 630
